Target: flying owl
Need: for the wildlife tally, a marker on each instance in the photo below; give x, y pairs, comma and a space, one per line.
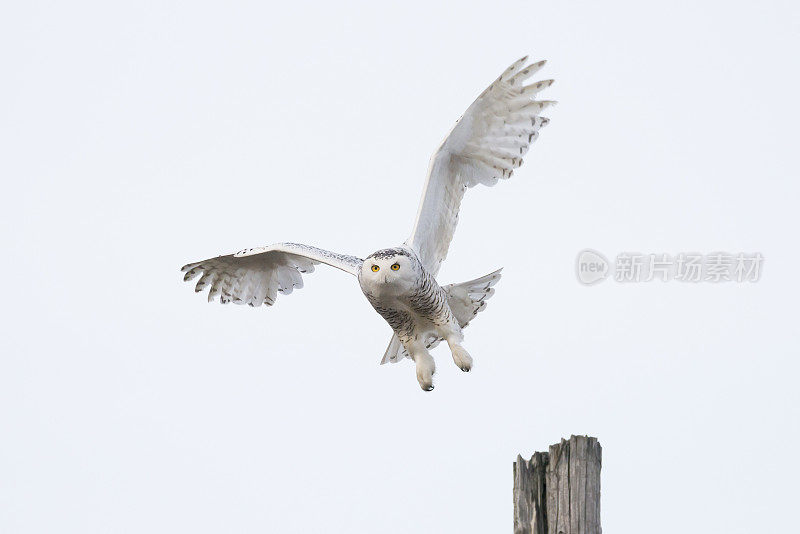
487, 143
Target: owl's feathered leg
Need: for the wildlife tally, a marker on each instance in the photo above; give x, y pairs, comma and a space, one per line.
424, 362
460, 355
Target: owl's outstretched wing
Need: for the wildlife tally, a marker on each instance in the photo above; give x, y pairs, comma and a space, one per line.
485, 145
255, 276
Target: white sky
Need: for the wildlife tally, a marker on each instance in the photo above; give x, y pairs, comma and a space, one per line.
139, 137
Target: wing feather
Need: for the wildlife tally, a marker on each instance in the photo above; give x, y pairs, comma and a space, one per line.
255, 276
486, 145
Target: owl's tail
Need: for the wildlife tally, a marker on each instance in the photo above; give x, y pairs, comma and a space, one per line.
465, 300
468, 298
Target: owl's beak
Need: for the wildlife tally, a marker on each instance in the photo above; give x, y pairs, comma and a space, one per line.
385, 279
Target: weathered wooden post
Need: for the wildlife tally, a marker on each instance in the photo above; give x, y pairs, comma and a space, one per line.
559, 492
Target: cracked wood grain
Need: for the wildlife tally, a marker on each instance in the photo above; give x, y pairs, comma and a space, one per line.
558, 492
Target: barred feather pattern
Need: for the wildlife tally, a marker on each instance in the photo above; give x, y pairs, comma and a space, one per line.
427, 304
464, 300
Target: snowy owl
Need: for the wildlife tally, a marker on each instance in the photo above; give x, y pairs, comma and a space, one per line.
485, 145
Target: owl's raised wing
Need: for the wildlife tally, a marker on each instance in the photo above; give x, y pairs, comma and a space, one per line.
485, 145
255, 276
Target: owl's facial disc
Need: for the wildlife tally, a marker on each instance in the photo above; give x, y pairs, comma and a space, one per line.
388, 271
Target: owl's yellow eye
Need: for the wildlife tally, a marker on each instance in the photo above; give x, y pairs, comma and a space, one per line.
375, 268
395, 266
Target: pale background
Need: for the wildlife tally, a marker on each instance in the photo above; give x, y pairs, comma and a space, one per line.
139, 136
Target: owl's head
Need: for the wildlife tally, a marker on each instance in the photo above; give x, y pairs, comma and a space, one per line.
389, 271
